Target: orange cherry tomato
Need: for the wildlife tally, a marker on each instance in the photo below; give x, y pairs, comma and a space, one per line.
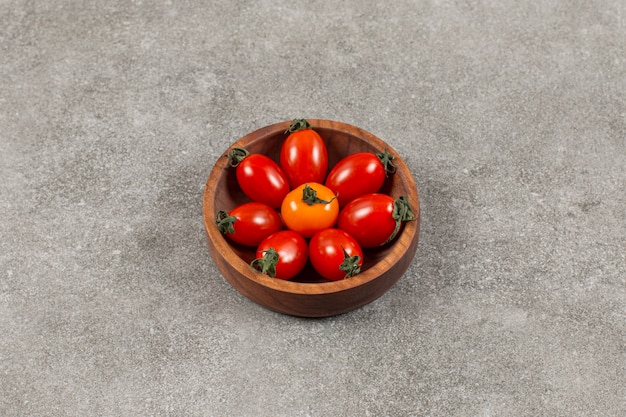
310, 208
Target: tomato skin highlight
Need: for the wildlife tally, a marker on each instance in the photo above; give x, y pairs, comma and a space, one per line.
308, 219
304, 158
326, 253
356, 175
262, 180
249, 223
292, 252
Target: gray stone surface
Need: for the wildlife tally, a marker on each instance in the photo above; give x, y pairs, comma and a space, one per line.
511, 115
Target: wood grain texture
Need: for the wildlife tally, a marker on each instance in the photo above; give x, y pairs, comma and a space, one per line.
308, 294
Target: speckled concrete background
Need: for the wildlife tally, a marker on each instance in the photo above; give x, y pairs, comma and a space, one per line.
511, 115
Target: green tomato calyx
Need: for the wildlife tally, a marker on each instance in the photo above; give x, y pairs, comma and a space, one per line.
224, 222
350, 264
236, 155
402, 212
309, 196
387, 160
267, 263
298, 124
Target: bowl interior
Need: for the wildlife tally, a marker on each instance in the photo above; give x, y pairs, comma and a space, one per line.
340, 142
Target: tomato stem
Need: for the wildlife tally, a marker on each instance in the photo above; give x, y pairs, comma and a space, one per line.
267, 263
309, 196
402, 212
236, 155
224, 222
350, 264
387, 160
298, 124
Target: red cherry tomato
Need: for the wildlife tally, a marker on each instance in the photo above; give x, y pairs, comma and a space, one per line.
374, 219
281, 255
335, 254
359, 174
303, 155
249, 223
259, 177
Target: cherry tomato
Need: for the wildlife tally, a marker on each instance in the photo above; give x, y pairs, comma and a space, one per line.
259, 177
335, 254
359, 174
303, 155
281, 255
310, 208
380, 210
249, 223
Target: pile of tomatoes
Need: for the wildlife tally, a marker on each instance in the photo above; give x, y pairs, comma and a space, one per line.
301, 212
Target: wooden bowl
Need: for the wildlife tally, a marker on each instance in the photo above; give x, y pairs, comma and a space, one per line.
308, 294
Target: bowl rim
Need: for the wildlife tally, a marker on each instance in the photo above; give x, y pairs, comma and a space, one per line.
403, 241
